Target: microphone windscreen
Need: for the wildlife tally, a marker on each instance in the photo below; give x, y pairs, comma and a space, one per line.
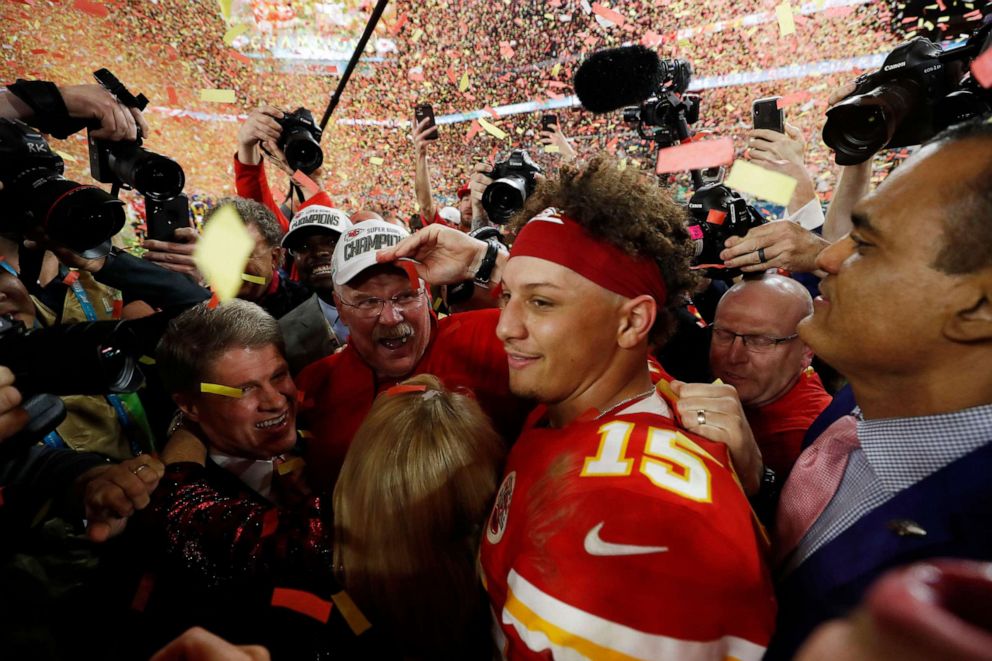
616, 77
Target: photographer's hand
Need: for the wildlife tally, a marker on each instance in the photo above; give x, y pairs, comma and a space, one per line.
117, 122
785, 153
113, 493
260, 126
785, 245
477, 184
13, 417
557, 138
175, 255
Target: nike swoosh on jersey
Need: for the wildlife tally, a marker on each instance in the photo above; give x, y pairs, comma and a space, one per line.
594, 545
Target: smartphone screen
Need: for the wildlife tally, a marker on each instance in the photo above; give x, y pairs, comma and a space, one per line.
547, 121
767, 115
425, 110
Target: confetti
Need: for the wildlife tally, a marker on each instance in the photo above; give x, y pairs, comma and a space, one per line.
173, 97
234, 32
786, 23
463, 83
756, 180
217, 96
695, 155
94, 9
255, 279
492, 130
608, 14
226, 391
981, 69
305, 603
222, 252
376, 160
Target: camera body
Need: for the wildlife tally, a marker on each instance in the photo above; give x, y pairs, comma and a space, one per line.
513, 182
38, 198
669, 110
735, 218
126, 163
300, 141
917, 93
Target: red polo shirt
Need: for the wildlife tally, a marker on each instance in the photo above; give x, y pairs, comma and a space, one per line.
779, 427
339, 389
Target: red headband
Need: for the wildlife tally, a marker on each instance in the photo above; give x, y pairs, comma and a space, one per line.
553, 236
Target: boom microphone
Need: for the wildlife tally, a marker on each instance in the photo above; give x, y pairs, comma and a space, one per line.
617, 77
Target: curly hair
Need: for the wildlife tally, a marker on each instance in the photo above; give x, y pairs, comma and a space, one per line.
629, 210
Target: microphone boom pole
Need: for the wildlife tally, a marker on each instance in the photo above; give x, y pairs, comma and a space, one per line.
359, 49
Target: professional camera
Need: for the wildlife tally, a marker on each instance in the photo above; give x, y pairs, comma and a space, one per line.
36, 196
669, 110
919, 91
734, 217
513, 182
126, 162
300, 141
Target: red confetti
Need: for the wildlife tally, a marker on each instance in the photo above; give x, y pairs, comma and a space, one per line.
213, 303
981, 69
118, 308
240, 57
302, 602
38, 51
270, 522
472, 131
793, 99
173, 97
716, 217
143, 593
398, 25
94, 9
401, 389
71, 278
608, 14
695, 155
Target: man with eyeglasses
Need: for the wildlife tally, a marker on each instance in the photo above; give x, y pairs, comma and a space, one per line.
394, 334
756, 349
314, 329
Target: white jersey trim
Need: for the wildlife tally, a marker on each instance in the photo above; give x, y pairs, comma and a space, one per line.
546, 623
655, 403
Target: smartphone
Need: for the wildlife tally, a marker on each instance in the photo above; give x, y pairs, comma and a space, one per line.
164, 218
767, 114
547, 121
425, 110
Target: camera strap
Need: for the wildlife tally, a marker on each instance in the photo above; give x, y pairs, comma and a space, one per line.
50, 113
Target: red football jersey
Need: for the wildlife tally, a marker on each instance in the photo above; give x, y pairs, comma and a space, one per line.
625, 537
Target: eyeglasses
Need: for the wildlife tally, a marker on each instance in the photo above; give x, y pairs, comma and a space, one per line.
372, 306
751, 342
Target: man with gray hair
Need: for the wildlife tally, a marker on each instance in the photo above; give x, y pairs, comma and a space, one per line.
756, 349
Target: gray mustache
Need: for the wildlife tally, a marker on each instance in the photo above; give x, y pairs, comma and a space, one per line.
399, 331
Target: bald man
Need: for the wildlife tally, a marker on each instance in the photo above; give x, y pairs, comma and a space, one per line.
755, 348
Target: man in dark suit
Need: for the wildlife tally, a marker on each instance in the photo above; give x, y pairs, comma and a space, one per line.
906, 315
314, 329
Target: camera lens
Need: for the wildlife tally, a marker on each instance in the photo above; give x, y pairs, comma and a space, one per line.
303, 152
79, 217
159, 177
504, 197
860, 126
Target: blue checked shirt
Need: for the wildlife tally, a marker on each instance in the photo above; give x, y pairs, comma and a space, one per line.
894, 454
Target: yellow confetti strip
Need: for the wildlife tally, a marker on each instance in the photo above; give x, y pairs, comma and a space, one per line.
234, 32
287, 467
492, 130
146, 360
222, 252
66, 157
353, 615
258, 280
376, 160
226, 391
552, 149
786, 23
463, 83
225, 9
756, 180
217, 96
555, 69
